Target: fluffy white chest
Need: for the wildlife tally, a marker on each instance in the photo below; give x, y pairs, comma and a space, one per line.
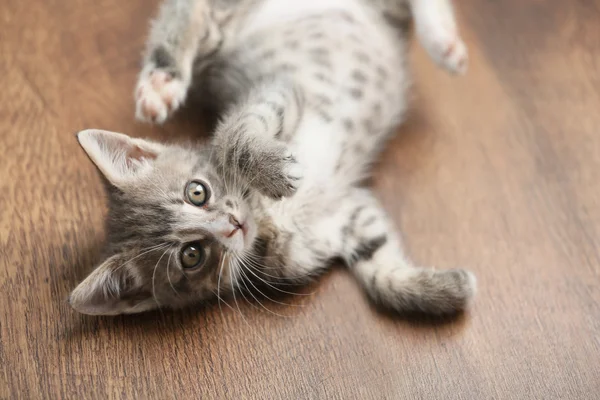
278, 11
317, 147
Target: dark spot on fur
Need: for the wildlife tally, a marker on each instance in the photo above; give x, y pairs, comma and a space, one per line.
323, 100
292, 44
268, 54
287, 67
381, 72
362, 57
354, 38
162, 58
369, 221
374, 281
319, 52
377, 109
323, 61
359, 148
366, 250
274, 107
359, 76
348, 124
402, 24
261, 118
228, 203
325, 116
368, 126
321, 77
347, 17
356, 93
353, 217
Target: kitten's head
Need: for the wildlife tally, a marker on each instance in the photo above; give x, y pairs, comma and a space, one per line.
171, 222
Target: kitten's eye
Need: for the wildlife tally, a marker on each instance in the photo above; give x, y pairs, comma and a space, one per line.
197, 193
192, 255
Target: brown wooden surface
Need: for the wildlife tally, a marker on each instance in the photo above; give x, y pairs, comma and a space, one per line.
498, 171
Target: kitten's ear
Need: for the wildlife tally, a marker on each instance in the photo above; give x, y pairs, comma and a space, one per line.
119, 157
111, 289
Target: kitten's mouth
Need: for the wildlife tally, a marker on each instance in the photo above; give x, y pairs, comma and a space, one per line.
237, 226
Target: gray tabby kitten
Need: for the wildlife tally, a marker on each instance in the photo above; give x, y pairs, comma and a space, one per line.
308, 93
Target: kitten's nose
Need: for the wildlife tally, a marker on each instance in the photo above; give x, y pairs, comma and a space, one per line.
237, 226
234, 221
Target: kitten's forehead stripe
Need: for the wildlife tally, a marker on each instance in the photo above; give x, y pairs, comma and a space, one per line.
176, 201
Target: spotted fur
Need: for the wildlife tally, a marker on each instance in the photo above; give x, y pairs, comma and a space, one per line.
307, 92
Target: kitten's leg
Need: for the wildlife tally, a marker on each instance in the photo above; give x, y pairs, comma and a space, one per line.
373, 251
183, 31
249, 143
437, 31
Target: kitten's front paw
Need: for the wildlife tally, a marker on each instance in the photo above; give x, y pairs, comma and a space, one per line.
158, 95
281, 175
446, 49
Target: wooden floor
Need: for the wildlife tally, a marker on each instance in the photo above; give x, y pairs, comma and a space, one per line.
498, 171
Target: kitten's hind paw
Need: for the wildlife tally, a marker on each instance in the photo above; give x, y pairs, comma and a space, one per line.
158, 94
426, 290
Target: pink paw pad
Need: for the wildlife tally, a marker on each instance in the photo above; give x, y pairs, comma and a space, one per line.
455, 57
158, 95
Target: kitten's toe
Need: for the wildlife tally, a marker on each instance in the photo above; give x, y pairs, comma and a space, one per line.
293, 173
446, 48
283, 177
158, 95
150, 108
456, 57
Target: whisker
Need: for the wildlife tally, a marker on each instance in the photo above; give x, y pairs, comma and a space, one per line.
294, 281
221, 299
259, 302
154, 276
223, 254
234, 298
278, 289
267, 297
168, 275
149, 250
256, 267
248, 290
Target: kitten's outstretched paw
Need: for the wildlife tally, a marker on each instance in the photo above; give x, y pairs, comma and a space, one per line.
447, 49
283, 176
158, 95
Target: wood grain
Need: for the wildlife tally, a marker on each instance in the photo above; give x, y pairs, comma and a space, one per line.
497, 171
